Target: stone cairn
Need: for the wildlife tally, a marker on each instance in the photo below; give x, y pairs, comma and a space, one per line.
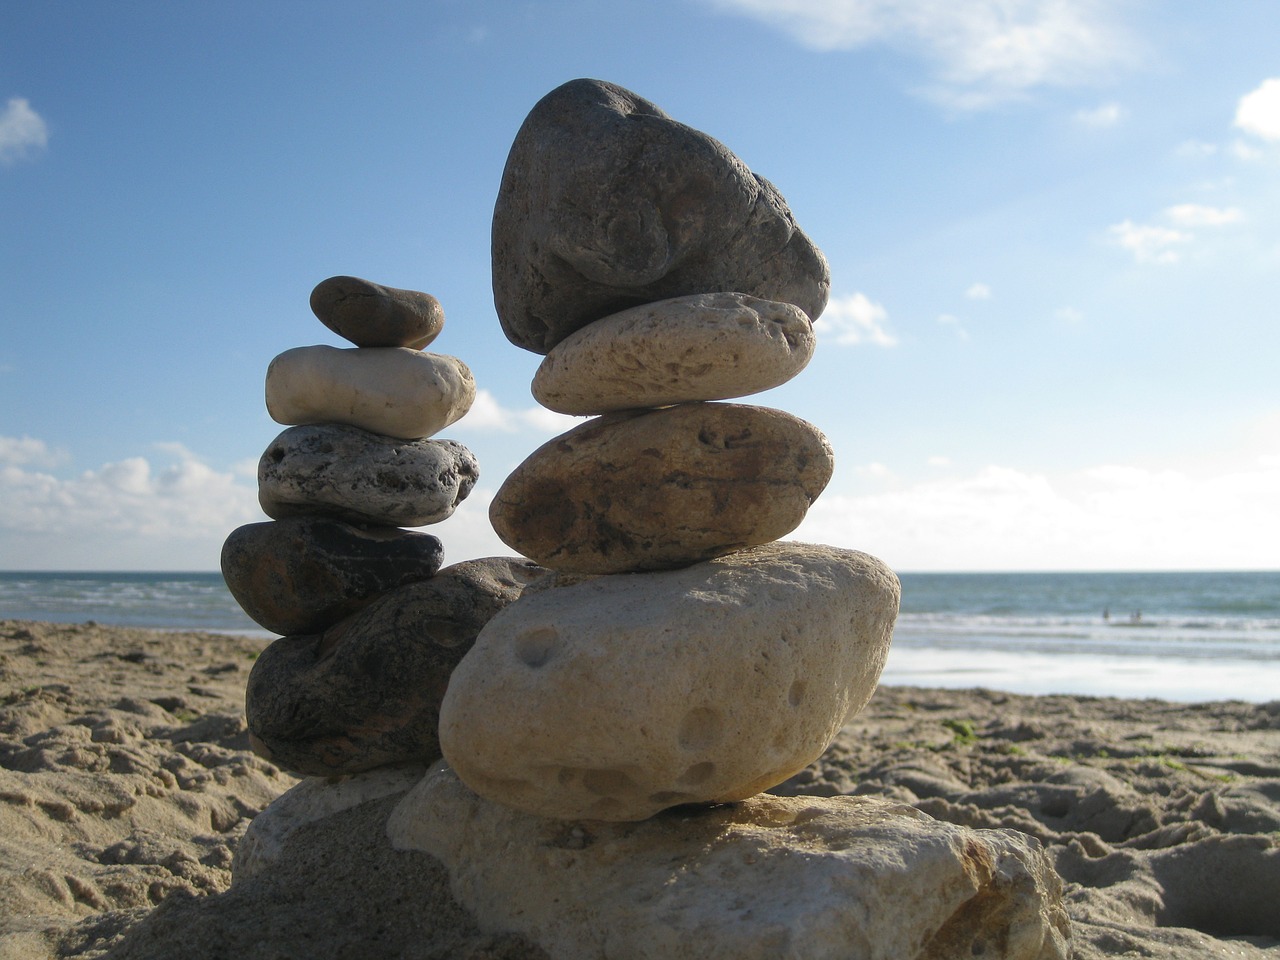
661, 648
680, 653
355, 682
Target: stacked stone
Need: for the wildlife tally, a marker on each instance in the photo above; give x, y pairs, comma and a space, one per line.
684, 655
371, 625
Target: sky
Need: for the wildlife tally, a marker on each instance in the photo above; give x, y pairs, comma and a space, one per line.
1053, 229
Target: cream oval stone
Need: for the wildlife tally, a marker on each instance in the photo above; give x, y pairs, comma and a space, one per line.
615, 697
394, 391
708, 346
662, 488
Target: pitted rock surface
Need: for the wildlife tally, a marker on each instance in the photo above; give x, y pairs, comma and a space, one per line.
708, 346
606, 202
616, 697
769, 878
351, 474
304, 574
662, 488
367, 691
371, 315
394, 391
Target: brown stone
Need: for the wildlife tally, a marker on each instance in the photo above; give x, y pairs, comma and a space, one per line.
371, 315
663, 488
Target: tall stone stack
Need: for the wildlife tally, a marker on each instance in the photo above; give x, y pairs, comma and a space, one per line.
371, 626
681, 654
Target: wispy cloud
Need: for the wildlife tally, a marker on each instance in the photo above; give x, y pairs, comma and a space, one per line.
855, 320
488, 414
954, 323
1199, 215
1160, 243
1149, 243
982, 52
1107, 115
1258, 112
28, 451
1101, 517
22, 131
978, 291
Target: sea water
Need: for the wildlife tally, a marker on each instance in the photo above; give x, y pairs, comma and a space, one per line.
1179, 636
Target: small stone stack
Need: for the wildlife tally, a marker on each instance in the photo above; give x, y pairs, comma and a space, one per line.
371, 625
681, 654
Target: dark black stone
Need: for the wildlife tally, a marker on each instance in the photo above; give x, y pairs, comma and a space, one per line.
304, 574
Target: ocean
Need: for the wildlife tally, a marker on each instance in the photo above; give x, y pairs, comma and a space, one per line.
1178, 636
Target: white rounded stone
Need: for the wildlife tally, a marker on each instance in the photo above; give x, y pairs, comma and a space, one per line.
708, 346
394, 391
615, 697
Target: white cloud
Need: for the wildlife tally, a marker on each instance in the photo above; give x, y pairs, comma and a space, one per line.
126, 514
23, 451
939, 461
1245, 151
1105, 517
978, 291
487, 414
982, 51
1107, 115
1258, 112
1198, 215
1196, 148
22, 131
948, 320
1069, 315
1148, 243
855, 320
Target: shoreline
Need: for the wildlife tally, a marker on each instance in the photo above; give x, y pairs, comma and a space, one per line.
126, 782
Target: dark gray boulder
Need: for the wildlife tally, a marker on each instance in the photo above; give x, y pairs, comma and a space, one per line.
606, 203
367, 691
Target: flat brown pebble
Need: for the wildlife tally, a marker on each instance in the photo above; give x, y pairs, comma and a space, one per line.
371, 315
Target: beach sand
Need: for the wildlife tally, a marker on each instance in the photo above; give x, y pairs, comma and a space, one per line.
126, 782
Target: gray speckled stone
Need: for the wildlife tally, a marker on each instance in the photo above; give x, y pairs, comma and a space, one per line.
367, 691
304, 574
351, 474
606, 202
371, 315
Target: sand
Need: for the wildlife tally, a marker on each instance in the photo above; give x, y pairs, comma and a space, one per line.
126, 782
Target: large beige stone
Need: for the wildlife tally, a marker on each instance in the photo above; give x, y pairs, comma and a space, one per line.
836, 878
394, 391
613, 698
708, 346
662, 488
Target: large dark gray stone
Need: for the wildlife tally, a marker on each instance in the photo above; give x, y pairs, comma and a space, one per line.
304, 574
351, 474
367, 691
606, 203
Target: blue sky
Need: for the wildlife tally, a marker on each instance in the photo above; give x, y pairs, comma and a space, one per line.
1053, 227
